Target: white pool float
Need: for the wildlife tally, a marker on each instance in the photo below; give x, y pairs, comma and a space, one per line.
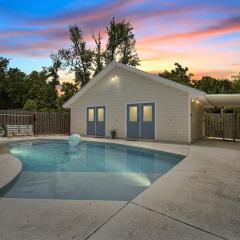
74, 140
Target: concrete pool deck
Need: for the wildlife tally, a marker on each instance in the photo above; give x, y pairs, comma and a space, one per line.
198, 199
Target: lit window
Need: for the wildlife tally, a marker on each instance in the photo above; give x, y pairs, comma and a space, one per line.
133, 114
147, 113
91, 115
100, 114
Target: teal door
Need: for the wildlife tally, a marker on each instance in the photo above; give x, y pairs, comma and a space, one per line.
100, 121
141, 120
91, 121
133, 120
96, 121
148, 120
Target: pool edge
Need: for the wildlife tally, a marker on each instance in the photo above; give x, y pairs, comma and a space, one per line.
10, 169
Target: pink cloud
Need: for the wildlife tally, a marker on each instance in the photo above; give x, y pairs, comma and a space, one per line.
99, 12
224, 26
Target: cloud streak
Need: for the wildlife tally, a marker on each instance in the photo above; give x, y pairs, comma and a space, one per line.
166, 32
90, 14
224, 26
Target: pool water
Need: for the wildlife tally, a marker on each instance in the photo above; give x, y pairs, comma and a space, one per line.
91, 171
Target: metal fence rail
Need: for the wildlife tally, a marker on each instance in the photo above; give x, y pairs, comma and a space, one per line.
45, 122
222, 125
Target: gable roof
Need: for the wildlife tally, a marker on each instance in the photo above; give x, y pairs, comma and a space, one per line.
192, 91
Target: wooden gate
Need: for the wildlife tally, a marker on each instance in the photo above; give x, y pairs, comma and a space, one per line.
222, 125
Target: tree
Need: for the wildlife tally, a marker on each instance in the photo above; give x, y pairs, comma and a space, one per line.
121, 43
128, 53
68, 90
53, 70
41, 91
19, 90
15, 88
86, 63
212, 85
98, 56
224, 86
236, 83
30, 105
12, 86
178, 74
78, 57
206, 84
3, 81
3, 66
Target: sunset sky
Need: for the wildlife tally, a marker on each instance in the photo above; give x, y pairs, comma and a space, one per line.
203, 35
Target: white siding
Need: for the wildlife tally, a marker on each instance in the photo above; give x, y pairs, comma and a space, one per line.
197, 119
172, 106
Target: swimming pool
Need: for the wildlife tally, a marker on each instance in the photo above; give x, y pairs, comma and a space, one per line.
91, 171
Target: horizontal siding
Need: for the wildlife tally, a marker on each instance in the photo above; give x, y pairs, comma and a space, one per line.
197, 119
171, 105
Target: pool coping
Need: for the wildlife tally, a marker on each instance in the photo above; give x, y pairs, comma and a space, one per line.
10, 169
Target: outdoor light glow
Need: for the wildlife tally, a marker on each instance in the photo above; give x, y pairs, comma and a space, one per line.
114, 78
138, 179
193, 100
15, 151
197, 102
141, 179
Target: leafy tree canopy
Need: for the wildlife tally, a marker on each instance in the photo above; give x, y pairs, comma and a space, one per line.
236, 83
30, 105
178, 74
207, 84
19, 90
86, 62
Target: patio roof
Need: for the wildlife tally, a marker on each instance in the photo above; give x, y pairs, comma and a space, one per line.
225, 100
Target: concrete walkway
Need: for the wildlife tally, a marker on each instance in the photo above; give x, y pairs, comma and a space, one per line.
198, 199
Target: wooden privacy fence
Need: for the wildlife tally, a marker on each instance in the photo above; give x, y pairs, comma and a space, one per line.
222, 125
45, 122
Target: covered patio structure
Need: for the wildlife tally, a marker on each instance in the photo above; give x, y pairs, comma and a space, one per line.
224, 100
223, 125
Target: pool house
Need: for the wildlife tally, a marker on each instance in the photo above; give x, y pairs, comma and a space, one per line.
137, 105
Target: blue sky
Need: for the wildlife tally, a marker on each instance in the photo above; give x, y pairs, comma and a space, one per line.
203, 35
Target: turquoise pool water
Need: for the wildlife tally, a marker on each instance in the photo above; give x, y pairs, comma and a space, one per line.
90, 171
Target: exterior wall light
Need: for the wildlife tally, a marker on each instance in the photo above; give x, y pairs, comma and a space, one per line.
114, 78
197, 102
193, 100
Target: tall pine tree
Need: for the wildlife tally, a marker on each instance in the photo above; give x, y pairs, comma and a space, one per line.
121, 43
78, 57
98, 57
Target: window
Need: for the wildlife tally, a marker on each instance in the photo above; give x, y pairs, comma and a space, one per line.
133, 114
91, 115
147, 113
100, 114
